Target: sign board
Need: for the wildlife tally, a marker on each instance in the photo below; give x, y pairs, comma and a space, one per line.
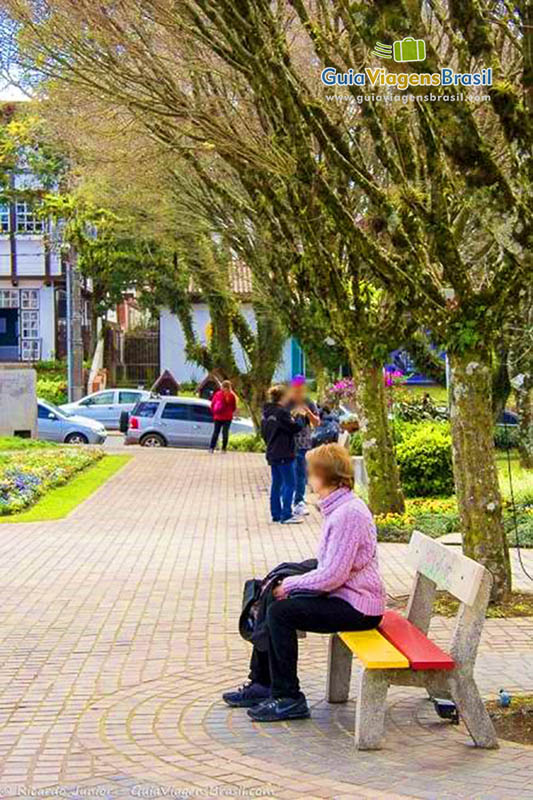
18, 402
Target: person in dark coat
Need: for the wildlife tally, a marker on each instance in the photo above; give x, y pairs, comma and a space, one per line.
279, 430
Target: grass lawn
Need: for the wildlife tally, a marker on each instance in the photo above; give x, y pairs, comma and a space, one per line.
59, 502
17, 443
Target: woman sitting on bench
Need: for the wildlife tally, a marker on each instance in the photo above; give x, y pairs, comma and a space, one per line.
344, 592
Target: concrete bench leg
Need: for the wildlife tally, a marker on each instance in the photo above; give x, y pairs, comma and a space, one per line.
339, 671
370, 712
472, 710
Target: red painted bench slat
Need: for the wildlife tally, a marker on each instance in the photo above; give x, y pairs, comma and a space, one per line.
415, 646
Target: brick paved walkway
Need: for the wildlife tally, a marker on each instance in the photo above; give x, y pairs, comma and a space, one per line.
118, 635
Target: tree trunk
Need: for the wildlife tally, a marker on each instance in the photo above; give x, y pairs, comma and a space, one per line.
524, 407
253, 394
321, 377
476, 477
384, 489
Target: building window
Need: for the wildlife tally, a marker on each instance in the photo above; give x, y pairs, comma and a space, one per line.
30, 324
29, 298
30, 350
9, 298
27, 219
4, 218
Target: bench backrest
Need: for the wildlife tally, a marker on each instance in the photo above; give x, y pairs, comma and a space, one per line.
449, 569
440, 567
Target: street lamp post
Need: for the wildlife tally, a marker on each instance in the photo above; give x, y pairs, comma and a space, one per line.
74, 332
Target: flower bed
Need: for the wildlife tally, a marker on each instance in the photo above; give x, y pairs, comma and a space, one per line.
436, 516
26, 476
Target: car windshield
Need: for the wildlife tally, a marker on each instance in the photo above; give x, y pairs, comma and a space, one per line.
59, 411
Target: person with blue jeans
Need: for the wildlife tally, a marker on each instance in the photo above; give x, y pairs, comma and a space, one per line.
307, 412
279, 430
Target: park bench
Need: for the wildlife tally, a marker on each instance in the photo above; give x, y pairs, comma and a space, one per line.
399, 652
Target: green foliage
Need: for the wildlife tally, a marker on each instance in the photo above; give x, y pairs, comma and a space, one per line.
16, 443
425, 461
51, 367
246, 443
189, 386
52, 381
356, 444
23, 138
416, 408
54, 390
506, 438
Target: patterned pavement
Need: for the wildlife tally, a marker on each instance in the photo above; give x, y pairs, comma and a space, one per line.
118, 634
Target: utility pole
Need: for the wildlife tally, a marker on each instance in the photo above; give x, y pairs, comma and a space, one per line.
74, 335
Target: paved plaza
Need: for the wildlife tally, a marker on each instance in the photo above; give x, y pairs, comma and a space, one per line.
118, 634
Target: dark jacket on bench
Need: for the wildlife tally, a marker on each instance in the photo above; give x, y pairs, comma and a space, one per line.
257, 596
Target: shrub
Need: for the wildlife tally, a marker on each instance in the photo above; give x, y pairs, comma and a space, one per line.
425, 461
189, 386
246, 443
413, 408
506, 437
356, 444
54, 390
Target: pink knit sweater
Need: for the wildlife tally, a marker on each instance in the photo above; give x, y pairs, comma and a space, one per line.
347, 556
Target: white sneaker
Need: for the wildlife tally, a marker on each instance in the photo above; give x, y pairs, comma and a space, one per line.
300, 510
292, 521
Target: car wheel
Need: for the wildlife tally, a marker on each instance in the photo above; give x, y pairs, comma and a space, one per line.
76, 438
153, 440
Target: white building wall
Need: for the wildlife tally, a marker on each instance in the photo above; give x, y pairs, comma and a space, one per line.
30, 255
5, 256
172, 345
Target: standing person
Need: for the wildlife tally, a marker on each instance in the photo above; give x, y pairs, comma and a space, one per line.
279, 430
307, 411
223, 405
344, 593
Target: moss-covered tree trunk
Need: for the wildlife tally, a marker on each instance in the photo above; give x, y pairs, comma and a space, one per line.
476, 477
321, 376
524, 407
253, 393
384, 489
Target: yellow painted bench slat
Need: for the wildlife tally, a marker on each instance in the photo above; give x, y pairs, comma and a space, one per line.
374, 650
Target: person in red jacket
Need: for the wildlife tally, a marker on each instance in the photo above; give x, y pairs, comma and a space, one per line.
223, 407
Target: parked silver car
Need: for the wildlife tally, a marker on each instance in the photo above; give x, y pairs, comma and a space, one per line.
106, 406
55, 425
176, 422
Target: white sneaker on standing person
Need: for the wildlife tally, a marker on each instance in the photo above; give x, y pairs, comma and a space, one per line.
302, 408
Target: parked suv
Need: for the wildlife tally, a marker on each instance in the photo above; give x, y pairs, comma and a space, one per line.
106, 406
175, 422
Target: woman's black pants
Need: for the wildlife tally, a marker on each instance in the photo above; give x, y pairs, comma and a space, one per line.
277, 667
224, 426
